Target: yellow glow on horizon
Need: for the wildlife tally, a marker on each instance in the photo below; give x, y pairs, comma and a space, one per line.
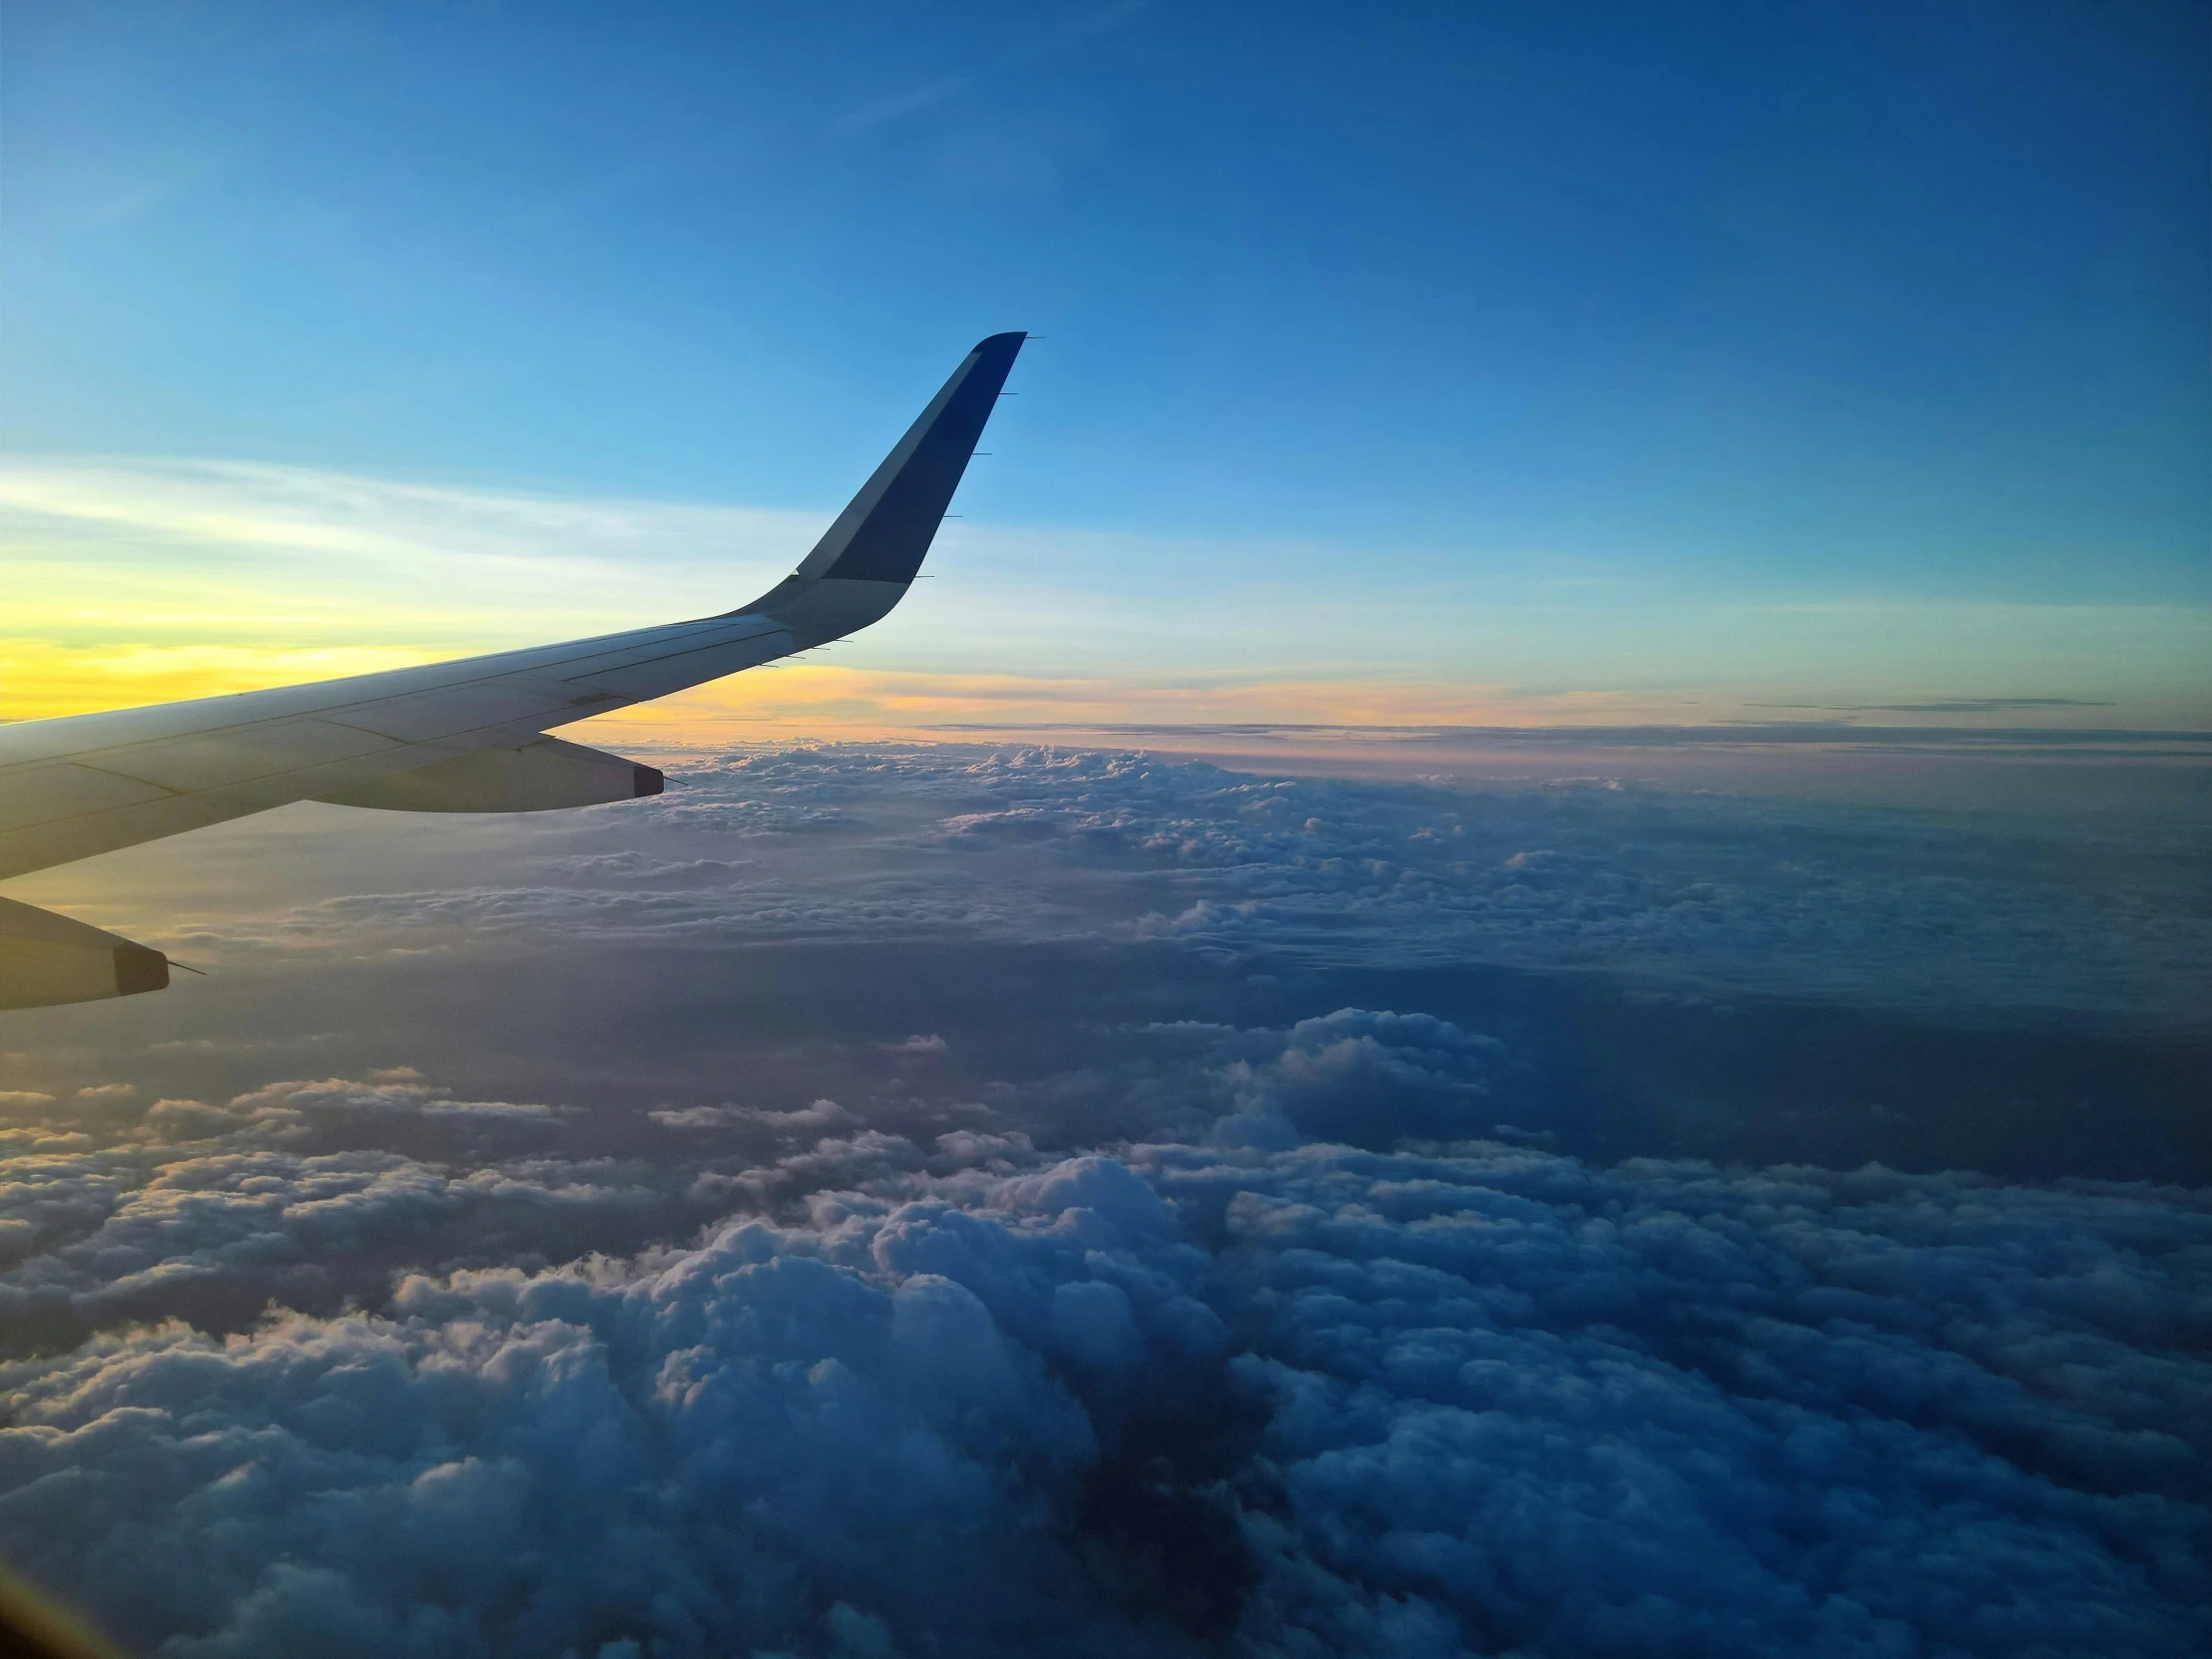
41, 678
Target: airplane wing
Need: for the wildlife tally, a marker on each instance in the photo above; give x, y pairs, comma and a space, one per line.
463, 735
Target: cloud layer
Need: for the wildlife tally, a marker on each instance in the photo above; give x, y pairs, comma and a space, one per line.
1244, 1390
888, 1201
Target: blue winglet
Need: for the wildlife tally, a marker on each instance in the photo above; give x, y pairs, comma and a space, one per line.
883, 536
867, 559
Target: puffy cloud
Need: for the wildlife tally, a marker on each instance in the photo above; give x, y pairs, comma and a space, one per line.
212, 1210
1307, 1399
695, 1456
819, 1118
701, 1117
1372, 1078
1663, 1409
395, 1090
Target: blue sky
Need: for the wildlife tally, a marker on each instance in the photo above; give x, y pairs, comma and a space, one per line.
1627, 307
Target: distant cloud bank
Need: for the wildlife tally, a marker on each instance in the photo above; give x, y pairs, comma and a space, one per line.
1033, 842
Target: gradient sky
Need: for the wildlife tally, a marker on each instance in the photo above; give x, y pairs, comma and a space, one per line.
1581, 1191
1427, 363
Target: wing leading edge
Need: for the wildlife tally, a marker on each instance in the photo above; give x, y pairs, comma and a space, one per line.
85, 783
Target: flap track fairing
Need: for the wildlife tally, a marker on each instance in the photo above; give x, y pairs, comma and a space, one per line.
539, 777
48, 959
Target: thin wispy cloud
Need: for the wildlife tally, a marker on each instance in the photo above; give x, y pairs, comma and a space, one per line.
1949, 706
320, 512
905, 103
929, 96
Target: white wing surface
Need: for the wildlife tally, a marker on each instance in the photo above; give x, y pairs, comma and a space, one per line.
464, 735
